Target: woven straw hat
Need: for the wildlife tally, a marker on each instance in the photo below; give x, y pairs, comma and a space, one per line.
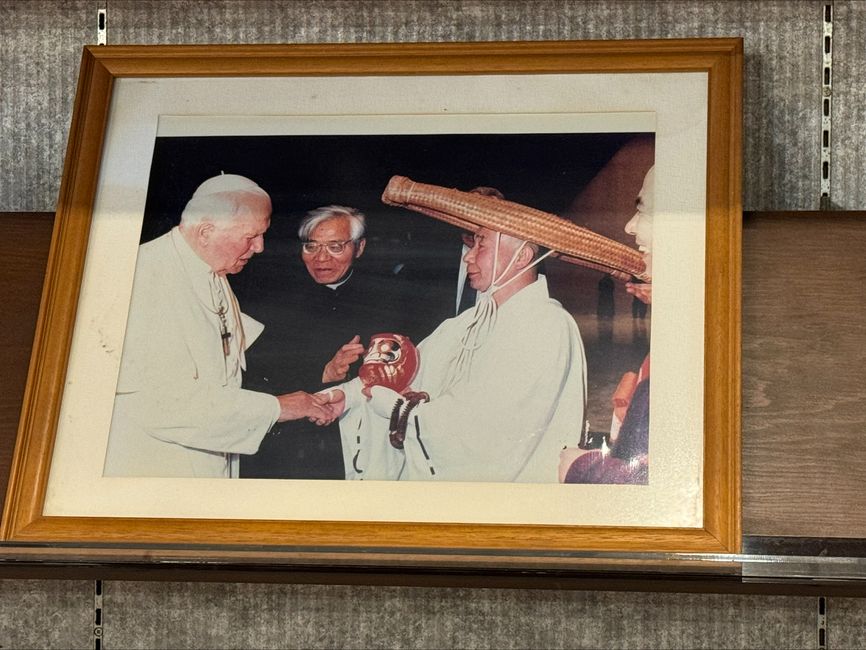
471, 211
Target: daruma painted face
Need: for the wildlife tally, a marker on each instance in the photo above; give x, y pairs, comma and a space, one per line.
391, 361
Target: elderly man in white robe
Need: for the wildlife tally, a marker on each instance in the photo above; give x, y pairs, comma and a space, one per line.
180, 410
504, 384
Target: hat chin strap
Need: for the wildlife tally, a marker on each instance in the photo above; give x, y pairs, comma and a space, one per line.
484, 317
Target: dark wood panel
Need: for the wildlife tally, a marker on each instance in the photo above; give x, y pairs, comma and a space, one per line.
804, 356
24, 242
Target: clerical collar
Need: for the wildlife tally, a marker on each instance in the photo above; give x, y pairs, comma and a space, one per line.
341, 282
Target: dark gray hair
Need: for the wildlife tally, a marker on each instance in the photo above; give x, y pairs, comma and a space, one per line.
357, 220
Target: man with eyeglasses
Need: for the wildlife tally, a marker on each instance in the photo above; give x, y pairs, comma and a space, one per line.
335, 306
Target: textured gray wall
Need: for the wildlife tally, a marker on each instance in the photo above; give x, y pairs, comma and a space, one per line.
848, 189
184, 615
60, 614
46, 614
40, 41
846, 619
40, 48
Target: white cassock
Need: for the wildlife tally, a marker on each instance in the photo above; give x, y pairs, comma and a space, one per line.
521, 404
180, 410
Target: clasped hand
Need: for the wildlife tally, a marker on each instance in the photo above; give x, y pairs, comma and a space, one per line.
316, 408
381, 399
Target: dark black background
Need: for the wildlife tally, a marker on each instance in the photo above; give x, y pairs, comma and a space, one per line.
545, 171
300, 173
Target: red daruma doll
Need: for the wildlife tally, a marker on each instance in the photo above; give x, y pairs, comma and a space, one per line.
391, 361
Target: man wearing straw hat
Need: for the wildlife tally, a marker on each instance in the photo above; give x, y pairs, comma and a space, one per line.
180, 410
504, 384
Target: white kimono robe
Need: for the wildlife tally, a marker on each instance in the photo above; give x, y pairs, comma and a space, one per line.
523, 402
180, 410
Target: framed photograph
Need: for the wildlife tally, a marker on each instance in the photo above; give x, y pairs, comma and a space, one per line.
393, 299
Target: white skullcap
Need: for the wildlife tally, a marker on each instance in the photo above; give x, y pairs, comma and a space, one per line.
227, 183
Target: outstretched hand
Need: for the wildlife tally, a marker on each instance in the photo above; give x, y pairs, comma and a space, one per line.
337, 368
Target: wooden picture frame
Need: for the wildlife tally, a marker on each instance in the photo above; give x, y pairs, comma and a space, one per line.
717, 61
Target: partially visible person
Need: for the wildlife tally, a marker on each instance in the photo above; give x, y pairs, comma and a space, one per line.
626, 460
335, 305
641, 227
180, 410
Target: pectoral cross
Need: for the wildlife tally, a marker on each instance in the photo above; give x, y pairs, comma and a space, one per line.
225, 335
